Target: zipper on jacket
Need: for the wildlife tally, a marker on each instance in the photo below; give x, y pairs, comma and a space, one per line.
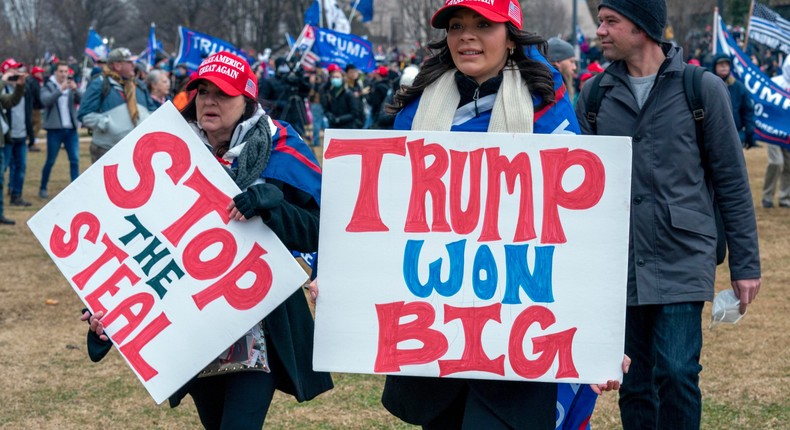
475, 97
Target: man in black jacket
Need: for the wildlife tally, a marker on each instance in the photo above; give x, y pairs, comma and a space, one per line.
283, 95
341, 108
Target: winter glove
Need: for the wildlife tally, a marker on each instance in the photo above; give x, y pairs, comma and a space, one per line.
749, 142
258, 199
330, 118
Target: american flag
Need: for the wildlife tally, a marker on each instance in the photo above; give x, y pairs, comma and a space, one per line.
769, 28
309, 60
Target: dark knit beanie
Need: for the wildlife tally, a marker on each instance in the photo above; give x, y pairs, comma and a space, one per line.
559, 50
649, 15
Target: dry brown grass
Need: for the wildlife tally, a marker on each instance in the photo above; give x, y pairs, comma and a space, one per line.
47, 381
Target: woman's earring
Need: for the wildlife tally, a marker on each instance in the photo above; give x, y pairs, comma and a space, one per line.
512, 51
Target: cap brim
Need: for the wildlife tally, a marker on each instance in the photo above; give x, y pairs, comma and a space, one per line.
223, 85
442, 16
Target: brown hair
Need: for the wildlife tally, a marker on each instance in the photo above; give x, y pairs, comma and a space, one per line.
535, 74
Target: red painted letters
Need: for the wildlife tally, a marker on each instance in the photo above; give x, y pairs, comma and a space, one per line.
148, 146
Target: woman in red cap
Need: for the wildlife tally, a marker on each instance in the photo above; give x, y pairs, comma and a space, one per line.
281, 181
486, 75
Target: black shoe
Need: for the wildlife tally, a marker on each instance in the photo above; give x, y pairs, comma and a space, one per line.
768, 204
784, 205
18, 201
6, 221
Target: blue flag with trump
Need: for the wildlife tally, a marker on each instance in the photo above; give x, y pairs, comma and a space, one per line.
343, 49
195, 46
771, 102
95, 46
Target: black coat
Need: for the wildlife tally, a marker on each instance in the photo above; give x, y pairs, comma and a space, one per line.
522, 405
288, 329
283, 98
342, 109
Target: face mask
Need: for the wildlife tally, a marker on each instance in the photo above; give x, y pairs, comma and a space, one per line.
283, 69
337, 82
725, 309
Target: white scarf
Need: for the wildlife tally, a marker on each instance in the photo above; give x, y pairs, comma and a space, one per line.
513, 110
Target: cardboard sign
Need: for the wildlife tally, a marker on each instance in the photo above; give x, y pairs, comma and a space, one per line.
473, 255
144, 236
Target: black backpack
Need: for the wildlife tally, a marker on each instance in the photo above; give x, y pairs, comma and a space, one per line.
692, 82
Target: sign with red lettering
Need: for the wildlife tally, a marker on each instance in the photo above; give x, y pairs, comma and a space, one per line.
474, 255
144, 236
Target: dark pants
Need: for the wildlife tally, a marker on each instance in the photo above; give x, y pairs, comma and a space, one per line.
69, 139
235, 401
97, 152
2, 177
16, 162
661, 388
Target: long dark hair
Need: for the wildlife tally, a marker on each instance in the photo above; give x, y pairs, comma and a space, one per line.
535, 74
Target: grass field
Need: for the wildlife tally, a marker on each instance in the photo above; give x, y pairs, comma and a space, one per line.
47, 381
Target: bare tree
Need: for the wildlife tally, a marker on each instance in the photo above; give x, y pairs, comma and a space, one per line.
25, 22
415, 21
67, 30
199, 15
547, 18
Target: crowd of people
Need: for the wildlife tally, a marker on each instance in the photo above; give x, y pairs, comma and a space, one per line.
629, 84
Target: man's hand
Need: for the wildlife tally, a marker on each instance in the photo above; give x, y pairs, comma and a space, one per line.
746, 290
22, 77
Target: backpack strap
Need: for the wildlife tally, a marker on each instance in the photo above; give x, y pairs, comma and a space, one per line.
692, 85
692, 82
594, 102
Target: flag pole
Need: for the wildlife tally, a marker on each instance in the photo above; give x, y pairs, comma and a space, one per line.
321, 13
353, 11
715, 27
748, 27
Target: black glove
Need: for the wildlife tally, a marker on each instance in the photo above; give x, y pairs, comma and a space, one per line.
330, 118
258, 199
749, 142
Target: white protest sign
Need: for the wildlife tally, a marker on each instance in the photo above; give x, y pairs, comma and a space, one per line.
143, 234
473, 255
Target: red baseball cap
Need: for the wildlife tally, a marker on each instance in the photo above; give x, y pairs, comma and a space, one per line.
9, 63
35, 70
383, 71
333, 67
492, 10
231, 73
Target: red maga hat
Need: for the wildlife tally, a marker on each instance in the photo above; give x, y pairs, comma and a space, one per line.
9, 63
231, 73
492, 10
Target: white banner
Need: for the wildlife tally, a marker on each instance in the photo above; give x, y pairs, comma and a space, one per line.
144, 236
474, 255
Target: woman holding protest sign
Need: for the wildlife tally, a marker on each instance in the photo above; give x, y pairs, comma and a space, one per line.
496, 77
280, 179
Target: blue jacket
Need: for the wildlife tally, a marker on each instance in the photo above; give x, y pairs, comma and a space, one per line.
103, 109
742, 109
